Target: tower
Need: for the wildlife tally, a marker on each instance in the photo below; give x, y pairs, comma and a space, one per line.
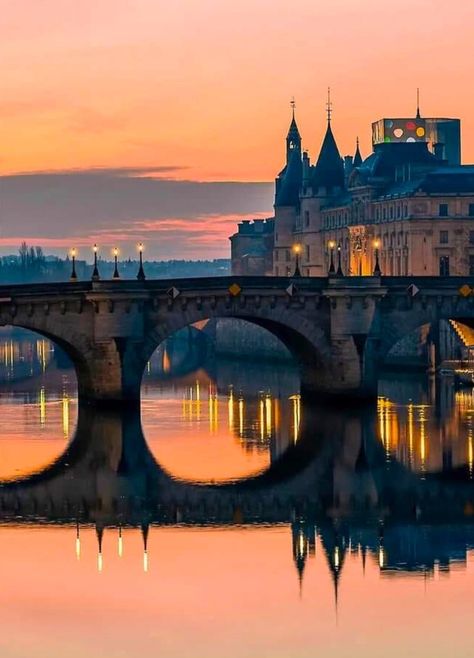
289, 180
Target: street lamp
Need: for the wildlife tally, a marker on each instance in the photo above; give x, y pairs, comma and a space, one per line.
377, 270
116, 272
95, 272
331, 245
73, 276
297, 251
339, 261
141, 271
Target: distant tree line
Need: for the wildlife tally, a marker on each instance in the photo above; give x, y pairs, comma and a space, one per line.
31, 265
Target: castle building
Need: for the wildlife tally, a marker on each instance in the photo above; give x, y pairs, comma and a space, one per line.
408, 208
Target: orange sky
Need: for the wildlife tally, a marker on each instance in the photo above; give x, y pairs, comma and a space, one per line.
204, 87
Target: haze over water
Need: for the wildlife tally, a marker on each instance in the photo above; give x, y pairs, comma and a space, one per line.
349, 578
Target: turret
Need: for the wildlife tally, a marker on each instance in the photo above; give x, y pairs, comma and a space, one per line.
293, 139
288, 182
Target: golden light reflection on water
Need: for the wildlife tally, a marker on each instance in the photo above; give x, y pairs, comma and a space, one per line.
425, 440
38, 406
218, 435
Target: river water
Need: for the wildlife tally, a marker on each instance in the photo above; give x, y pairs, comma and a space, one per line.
233, 519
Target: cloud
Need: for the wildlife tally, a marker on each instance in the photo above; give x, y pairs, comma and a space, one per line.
125, 205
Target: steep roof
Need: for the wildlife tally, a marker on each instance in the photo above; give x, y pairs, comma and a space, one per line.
357, 156
329, 170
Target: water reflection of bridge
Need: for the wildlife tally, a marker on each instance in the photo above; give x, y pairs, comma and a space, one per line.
334, 482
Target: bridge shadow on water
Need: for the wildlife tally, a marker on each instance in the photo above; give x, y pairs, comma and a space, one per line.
336, 470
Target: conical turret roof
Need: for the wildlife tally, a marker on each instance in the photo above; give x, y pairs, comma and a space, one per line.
329, 170
357, 157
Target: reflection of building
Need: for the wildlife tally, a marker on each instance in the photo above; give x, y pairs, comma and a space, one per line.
411, 200
396, 550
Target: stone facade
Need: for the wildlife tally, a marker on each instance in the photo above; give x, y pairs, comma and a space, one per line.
252, 247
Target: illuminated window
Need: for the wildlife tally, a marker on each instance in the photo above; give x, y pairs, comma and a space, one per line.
443, 237
443, 209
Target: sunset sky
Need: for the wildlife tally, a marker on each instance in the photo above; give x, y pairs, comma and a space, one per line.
199, 92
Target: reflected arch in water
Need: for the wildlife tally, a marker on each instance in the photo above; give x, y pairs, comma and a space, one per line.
38, 402
231, 417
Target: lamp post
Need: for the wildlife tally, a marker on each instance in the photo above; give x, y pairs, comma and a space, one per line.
73, 276
331, 245
95, 271
141, 271
339, 261
377, 270
116, 272
297, 251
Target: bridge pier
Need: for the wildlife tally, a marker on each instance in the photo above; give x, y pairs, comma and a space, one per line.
112, 374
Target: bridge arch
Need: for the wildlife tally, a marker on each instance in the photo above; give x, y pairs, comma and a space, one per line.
395, 329
306, 341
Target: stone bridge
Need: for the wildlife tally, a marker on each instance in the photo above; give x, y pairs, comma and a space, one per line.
339, 329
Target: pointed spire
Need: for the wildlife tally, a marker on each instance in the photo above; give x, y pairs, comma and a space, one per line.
418, 115
357, 156
293, 139
329, 106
